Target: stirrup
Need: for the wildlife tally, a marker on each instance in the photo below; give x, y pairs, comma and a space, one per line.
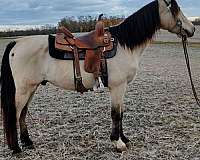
101, 86
98, 85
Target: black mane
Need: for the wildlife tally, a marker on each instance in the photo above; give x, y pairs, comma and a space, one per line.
138, 28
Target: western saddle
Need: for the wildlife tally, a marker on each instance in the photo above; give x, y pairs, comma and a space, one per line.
95, 43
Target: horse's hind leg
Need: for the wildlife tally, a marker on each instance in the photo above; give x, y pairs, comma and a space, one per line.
117, 136
24, 136
22, 101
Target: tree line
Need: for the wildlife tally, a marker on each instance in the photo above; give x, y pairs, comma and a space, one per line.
46, 29
87, 23
74, 24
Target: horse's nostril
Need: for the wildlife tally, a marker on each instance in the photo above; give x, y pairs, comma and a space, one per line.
189, 34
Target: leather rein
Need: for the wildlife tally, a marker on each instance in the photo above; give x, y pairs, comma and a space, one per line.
185, 43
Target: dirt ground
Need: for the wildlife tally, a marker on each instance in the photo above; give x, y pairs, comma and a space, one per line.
162, 119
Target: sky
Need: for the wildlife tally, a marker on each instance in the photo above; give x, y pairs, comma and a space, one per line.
51, 11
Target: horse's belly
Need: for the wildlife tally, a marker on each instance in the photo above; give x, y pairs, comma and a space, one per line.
61, 74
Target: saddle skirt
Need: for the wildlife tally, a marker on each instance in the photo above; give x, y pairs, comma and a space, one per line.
65, 52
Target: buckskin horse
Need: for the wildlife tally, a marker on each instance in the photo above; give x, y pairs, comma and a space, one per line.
26, 64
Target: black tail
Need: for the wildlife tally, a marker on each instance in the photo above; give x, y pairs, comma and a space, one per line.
8, 99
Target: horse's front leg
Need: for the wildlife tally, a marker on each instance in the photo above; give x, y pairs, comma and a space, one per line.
117, 136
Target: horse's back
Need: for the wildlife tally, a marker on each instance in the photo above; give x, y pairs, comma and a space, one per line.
32, 42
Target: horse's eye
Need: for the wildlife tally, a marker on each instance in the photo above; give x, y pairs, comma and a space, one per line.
179, 23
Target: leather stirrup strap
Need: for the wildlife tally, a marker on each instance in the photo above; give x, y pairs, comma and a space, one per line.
77, 64
78, 79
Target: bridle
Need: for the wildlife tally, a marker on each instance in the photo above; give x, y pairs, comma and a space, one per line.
185, 42
178, 24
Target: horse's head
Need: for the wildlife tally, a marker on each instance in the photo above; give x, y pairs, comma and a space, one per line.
173, 19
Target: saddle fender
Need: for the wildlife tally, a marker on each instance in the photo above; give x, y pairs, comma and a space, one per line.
92, 61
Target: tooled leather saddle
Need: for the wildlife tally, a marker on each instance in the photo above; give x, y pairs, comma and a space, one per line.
95, 43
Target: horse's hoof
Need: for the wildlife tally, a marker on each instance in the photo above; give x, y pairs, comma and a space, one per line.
120, 145
28, 146
16, 151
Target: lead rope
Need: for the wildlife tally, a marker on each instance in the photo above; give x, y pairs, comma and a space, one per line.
184, 42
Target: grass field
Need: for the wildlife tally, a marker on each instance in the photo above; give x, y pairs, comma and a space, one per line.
162, 119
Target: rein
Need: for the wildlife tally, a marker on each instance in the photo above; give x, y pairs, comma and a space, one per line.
185, 42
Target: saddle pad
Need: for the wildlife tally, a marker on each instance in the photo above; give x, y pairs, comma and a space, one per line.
64, 55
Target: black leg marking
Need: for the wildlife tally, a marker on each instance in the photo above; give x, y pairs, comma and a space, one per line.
16, 150
123, 138
24, 136
26, 141
115, 114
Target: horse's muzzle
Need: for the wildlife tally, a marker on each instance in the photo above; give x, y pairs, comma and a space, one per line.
190, 34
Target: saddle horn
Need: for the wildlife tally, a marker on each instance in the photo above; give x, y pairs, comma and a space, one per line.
100, 17
99, 27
